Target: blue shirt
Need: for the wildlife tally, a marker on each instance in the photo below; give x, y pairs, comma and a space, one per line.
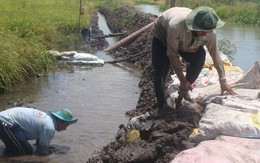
35, 124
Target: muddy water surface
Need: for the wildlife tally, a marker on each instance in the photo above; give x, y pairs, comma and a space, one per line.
98, 97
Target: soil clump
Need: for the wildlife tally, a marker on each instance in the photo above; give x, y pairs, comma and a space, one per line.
163, 134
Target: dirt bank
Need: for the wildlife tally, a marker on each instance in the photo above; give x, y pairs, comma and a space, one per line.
168, 131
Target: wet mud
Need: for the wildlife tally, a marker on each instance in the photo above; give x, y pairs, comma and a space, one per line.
166, 132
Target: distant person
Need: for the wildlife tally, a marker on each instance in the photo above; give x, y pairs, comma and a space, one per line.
182, 33
86, 34
20, 124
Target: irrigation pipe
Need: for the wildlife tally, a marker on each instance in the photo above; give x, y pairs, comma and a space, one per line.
129, 38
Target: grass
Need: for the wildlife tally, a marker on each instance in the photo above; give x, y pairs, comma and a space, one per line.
239, 11
19, 59
28, 28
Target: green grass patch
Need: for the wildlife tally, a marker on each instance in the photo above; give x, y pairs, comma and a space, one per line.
148, 2
20, 59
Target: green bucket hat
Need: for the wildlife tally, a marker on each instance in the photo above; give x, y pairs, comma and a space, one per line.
203, 18
65, 115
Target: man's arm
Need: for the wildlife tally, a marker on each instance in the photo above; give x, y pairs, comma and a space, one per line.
218, 64
44, 141
214, 53
173, 54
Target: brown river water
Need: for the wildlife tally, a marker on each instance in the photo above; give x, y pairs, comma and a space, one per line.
100, 96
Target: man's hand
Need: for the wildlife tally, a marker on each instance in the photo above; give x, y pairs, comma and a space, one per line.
226, 87
185, 86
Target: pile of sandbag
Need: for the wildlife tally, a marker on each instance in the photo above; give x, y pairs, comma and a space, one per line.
229, 130
207, 82
237, 115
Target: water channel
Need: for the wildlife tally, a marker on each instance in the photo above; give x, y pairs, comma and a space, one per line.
100, 96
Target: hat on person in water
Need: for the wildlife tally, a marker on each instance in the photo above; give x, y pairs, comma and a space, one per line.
65, 115
203, 18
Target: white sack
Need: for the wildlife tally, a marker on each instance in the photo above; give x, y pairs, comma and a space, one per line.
251, 80
85, 57
224, 149
229, 121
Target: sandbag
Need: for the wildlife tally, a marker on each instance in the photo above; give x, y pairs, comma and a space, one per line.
84, 57
224, 149
206, 84
251, 80
229, 121
140, 122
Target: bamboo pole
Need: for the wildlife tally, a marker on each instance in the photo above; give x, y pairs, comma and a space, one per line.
80, 8
129, 38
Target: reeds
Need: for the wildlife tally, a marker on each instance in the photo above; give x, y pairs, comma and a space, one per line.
28, 28
239, 11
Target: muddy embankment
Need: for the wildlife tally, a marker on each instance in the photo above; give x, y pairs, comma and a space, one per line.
166, 133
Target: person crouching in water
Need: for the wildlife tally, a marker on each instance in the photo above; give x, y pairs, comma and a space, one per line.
20, 124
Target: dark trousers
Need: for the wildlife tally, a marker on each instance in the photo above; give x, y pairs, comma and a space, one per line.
161, 65
14, 140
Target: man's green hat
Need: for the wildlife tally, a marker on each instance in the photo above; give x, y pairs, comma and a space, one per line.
203, 18
65, 115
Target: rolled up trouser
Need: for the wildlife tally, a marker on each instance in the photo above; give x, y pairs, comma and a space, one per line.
14, 139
